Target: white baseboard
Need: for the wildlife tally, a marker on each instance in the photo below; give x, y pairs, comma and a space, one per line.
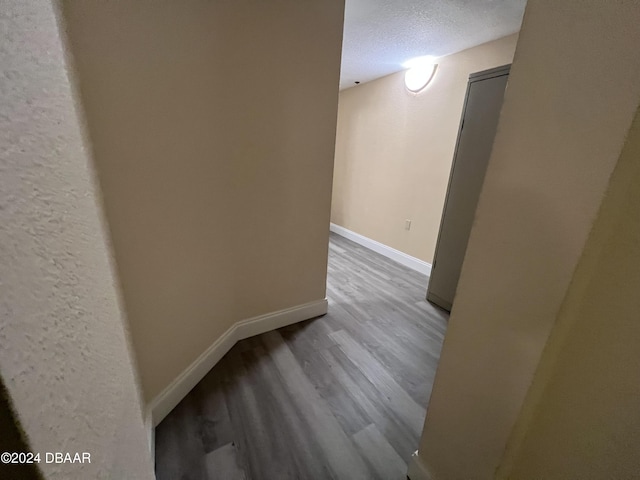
172, 395
151, 433
396, 255
166, 401
417, 469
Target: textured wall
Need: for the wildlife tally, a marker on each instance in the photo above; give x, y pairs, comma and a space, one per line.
573, 91
394, 150
63, 347
213, 127
585, 420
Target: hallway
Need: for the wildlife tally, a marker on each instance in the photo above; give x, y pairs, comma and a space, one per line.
341, 396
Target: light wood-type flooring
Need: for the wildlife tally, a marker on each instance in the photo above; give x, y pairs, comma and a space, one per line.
341, 396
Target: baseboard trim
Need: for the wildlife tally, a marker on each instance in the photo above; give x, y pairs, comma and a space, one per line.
417, 469
395, 255
167, 400
189, 378
151, 433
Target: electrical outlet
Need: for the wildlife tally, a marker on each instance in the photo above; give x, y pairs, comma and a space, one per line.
407, 224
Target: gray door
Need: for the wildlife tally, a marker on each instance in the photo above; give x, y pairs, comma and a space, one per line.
483, 102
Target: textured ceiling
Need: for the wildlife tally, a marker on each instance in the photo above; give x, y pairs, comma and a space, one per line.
379, 35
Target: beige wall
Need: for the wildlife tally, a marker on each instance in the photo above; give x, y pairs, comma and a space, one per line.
64, 356
585, 420
572, 93
213, 127
394, 150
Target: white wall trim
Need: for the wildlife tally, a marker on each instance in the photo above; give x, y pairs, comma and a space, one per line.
151, 433
166, 400
417, 469
395, 255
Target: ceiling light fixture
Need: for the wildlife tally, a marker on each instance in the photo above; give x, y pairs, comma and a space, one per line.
420, 71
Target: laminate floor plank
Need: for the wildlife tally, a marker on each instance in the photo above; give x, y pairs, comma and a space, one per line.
313, 334
339, 451
404, 406
222, 464
384, 460
385, 311
178, 444
401, 356
249, 421
372, 401
214, 423
342, 396
349, 413
296, 452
